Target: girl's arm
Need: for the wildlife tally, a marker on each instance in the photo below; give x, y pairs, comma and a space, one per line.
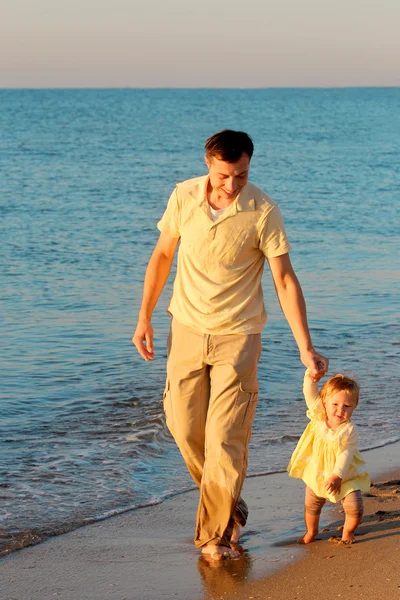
310, 389
343, 460
342, 464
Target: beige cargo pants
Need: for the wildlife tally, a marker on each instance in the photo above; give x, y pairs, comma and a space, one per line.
210, 400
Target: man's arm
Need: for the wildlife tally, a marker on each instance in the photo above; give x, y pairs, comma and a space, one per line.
156, 276
293, 305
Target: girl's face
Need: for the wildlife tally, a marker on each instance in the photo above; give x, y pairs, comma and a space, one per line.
339, 407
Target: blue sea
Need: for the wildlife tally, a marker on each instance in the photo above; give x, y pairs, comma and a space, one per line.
85, 176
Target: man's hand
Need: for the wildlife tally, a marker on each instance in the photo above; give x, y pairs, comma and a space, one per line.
143, 339
316, 363
333, 484
156, 275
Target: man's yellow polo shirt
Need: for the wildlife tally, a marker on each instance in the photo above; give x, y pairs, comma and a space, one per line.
217, 289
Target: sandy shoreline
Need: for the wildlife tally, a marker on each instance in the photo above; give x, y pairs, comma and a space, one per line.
368, 569
147, 554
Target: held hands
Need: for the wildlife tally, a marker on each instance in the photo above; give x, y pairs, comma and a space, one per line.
315, 363
143, 339
333, 484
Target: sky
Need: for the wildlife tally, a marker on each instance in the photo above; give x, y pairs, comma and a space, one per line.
186, 43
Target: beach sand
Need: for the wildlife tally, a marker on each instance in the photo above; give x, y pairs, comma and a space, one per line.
148, 554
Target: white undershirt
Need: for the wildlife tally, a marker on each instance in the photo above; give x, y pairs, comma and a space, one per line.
216, 212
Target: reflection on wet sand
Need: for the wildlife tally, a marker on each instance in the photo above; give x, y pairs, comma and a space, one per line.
223, 577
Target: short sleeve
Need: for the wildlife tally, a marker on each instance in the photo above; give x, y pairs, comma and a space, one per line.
273, 238
169, 222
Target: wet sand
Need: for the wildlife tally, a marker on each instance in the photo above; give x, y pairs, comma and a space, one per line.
370, 568
147, 554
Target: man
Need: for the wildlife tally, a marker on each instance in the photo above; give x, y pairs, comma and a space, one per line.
227, 228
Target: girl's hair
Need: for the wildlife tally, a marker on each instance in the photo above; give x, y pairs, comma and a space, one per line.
340, 383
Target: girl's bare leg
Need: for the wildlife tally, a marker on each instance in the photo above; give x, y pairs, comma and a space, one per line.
350, 525
312, 512
312, 523
353, 507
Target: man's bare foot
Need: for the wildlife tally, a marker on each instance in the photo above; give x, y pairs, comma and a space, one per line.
235, 537
307, 538
219, 552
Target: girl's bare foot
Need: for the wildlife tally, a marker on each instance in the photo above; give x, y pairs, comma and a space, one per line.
219, 552
307, 538
348, 537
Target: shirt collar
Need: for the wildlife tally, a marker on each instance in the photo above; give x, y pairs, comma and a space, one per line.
243, 202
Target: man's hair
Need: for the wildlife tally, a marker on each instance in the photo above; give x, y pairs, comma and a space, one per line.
229, 145
340, 383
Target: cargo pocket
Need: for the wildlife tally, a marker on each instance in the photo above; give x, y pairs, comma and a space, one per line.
246, 403
168, 406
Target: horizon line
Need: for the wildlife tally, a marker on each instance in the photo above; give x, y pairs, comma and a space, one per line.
253, 88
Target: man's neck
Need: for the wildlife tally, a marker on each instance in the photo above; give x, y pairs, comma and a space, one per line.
216, 201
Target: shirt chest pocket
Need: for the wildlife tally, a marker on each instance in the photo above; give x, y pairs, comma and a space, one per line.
195, 247
233, 244
220, 245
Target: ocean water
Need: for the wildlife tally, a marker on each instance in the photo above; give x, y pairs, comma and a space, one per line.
85, 176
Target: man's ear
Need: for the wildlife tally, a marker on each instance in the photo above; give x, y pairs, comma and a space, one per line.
207, 161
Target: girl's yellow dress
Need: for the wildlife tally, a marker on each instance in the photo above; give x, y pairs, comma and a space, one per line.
322, 452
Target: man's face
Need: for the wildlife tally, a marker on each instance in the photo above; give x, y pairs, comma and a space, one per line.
227, 179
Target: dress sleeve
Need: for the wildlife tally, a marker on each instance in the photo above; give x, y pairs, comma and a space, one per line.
170, 221
344, 458
310, 390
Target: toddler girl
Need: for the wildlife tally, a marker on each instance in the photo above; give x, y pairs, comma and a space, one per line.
327, 458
